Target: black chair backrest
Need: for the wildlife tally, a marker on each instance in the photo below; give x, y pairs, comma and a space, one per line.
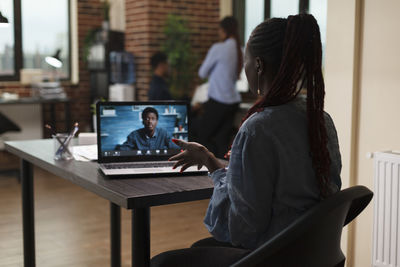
7, 125
313, 239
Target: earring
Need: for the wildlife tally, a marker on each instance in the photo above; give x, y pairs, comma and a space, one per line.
258, 84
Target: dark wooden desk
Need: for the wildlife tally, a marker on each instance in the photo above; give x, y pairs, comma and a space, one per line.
138, 194
37, 100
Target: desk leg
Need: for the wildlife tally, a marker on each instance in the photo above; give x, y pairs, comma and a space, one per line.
28, 217
115, 216
141, 237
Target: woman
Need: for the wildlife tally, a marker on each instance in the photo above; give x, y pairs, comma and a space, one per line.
285, 157
222, 66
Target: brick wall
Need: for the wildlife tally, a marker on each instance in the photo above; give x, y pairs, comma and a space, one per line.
89, 17
144, 25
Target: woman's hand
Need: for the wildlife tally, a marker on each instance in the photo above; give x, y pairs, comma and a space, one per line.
194, 154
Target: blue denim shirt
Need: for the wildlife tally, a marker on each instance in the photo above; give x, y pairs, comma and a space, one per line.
270, 180
139, 140
220, 67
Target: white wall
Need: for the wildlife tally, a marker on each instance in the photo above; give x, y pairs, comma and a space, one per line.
225, 8
379, 125
363, 97
341, 64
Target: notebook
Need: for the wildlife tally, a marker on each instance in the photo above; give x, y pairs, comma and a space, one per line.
134, 138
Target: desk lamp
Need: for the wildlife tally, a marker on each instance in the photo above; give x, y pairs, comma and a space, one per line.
55, 60
52, 89
3, 21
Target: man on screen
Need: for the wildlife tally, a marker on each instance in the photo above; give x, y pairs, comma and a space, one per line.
150, 137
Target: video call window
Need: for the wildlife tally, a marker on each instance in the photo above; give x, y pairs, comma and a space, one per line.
142, 129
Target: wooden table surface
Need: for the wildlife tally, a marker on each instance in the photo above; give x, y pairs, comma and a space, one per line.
126, 192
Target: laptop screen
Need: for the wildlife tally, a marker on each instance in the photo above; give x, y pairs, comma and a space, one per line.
136, 131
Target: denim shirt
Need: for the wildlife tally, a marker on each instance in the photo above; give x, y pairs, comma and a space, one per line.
270, 180
139, 140
220, 67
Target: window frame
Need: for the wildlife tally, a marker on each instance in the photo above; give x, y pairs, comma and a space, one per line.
18, 47
17, 44
303, 7
238, 11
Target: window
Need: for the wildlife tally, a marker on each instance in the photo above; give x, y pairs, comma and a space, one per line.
7, 40
10, 45
319, 10
36, 33
254, 14
250, 13
283, 8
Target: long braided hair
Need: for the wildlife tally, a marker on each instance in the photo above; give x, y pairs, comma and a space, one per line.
230, 26
292, 49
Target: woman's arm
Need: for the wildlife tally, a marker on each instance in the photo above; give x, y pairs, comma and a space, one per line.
240, 208
209, 62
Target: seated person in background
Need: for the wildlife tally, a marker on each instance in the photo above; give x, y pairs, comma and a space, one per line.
149, 137
158, 86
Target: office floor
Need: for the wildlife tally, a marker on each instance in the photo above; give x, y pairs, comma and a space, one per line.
72, 225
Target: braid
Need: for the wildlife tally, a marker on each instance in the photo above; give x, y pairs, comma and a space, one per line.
266, 41
293, 47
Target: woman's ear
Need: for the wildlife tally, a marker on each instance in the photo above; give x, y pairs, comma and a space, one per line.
259, 65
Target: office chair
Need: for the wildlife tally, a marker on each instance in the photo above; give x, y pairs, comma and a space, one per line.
313, 240
7, 125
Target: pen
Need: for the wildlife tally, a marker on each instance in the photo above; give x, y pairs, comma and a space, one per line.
68, 139
72, 134
53, 133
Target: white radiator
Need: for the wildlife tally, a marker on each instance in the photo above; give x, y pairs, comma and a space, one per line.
386, 235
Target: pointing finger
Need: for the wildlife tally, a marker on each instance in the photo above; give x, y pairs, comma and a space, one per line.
180, 143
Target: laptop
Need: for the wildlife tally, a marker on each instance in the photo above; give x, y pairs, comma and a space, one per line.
134, 138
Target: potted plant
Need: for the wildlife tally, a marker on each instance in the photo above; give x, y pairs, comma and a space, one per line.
92, 36
180, 57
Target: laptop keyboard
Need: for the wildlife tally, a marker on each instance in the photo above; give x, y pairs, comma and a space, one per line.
138, 165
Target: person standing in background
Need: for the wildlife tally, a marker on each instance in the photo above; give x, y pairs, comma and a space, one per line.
222, 67
159, 89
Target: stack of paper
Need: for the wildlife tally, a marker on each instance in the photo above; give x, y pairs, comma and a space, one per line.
85, 153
